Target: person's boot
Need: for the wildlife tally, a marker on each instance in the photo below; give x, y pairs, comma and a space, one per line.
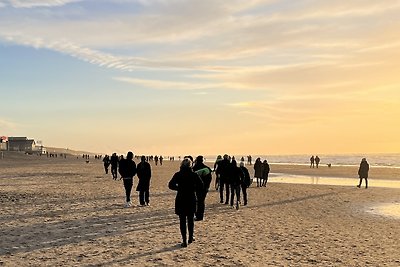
191, 239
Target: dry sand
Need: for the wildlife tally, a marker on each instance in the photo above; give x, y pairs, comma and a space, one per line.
65, 212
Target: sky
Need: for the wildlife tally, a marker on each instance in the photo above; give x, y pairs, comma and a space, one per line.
177, 77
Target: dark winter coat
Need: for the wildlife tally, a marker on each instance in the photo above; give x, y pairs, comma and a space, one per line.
205, 174
224, 170
363, 170
186, 182
144, 175
265, 170
127, 168
258, 169
246, 181
236, 175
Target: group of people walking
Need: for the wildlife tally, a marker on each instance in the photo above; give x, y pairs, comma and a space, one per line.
127, 169
314, 161
192, 183
261, 172
232, 179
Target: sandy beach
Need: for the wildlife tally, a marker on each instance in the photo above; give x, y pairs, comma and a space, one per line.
57, 211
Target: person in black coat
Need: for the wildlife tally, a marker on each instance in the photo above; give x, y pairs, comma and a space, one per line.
106, 161
363, 172
236, 177
265, 173
258, 171
204, 173
223, 171
144, 175
245, 183
186, 183
127, 169
114, 165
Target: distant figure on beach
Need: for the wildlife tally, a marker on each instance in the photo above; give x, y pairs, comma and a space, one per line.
156, 160
258, 171
363, 172
265, 173
245, 183
317, 160
249, 159
127, 169
312, 162
204, 172
186, 183
106, 161
161, 159
224, 173
235, 180
114, 165
217, 175
144, 176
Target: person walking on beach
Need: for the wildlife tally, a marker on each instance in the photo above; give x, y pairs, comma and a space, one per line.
224, 172
363, 172
265, 173
312, 161
317, 160
219, 158
236, 178
258, 171
127, 169
204, 172
245, 183
106, 162
144, 176
186, 183
114, 165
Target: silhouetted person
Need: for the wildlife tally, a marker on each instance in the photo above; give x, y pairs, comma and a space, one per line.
312, 162
204, 172
363, 172
144, 175
219, 158
249, 159
186, 183
223, 172
317, 160
114, 165
245, 183
127, 169
161, 159
106, 161
265, 173
258, 171
236, 177
156, 159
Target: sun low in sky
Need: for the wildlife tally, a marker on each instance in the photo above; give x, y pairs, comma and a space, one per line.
205, 77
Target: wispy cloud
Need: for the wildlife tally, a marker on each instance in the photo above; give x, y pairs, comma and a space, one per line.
163, 85
39, 3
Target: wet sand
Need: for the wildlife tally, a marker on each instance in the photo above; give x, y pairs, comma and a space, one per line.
66, 212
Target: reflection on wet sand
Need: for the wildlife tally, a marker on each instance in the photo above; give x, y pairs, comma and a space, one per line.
308, 179
387, 209
390, 210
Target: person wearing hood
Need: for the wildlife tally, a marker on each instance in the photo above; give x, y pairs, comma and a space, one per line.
363, 172
186, 183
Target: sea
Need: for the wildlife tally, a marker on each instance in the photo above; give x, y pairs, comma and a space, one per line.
390, 160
